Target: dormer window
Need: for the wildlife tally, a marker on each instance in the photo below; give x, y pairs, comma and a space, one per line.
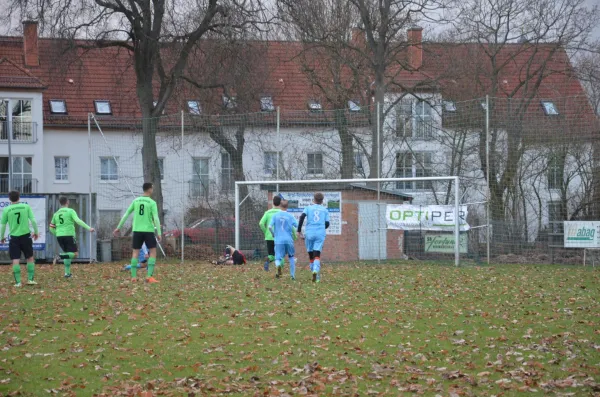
550, 108
194, 107
354, 106
102, 107
449, 106
58, 106
314, 105
266, 104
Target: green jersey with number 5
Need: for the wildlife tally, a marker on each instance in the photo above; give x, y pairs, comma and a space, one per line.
145, 215
18, 216
63, 222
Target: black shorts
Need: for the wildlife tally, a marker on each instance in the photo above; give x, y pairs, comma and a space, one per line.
271, 247
18, 244
139, 238
238, 258
67, 243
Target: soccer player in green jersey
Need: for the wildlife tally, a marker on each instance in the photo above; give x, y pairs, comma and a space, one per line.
62, 226
145, 219
18, 215
264, 223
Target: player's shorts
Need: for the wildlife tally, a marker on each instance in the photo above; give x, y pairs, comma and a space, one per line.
67, 243
314, 242
139, 238
270, 247
18, 244
281, 250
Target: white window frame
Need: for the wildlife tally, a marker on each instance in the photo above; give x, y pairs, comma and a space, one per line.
359, 167
229, 101
271, 171
314, 170
161, 160
194, 107
315, 106
110, 160
550, 108
420, 164
266, 104
354, 106
556, 174
25, 177
197, 178
227, 181
65, 176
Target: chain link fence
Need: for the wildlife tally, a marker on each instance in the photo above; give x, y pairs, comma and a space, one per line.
540, 158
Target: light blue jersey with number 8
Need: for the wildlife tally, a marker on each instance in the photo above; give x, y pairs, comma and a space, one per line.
316, 216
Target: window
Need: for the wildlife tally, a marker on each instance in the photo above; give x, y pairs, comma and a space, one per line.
61, 168
314, 163
22, 179
161, 168
404, 119
266, 104
556, 216
229, 102
358, 163
58, 106
550, 108
271, 163
449, 106
423, 127
194, 107
102, 107
555, 172
108, 169
414, 165
314, 105
227, 181
354, 106
22, 126
199, 182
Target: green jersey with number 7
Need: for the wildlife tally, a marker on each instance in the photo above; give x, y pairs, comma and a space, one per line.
18, 216
145, 215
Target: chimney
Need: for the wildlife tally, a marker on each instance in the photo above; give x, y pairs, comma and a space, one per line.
358, 38
30, 43
415, 47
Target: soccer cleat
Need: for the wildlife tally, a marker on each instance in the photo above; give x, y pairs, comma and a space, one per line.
31, 282
151, 280
314, 277
266, 266
18, 285
279, 272
68, 275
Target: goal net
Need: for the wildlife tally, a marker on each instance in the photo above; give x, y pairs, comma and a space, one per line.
370, 219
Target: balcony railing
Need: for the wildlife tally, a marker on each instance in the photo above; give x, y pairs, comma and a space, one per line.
22, 131
21, 183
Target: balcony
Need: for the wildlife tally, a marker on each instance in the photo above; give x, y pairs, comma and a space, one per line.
22, 132
21, 183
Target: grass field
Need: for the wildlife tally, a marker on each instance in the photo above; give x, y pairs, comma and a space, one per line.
365, 330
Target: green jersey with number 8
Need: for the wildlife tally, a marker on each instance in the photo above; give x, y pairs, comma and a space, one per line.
145, 215
18, 216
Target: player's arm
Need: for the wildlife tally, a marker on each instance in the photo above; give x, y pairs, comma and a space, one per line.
124, 218
263, 223
327, 222
33, 222
272, 226
3, 222
81, 223
52, 225
301, 222
156, 220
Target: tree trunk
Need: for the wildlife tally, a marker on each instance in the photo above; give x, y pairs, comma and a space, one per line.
376, 159
347, 166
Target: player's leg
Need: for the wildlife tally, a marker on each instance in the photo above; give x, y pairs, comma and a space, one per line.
291, 252
136, 245
279, 255
151, 243
69, 247
15, 255
270, 254
318, 247
309, 249
27, 248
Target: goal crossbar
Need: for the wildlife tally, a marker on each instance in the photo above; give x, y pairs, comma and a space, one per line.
455, 179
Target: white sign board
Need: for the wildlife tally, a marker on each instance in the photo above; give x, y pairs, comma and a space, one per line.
444, 243
39, 208
425, 217
297, 201
582, 234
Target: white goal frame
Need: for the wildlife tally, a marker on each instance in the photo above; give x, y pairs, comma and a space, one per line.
455, 179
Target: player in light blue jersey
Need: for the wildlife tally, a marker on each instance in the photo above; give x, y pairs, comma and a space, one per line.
317, 221
283, 226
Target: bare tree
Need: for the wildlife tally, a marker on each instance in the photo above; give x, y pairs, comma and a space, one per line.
159, 34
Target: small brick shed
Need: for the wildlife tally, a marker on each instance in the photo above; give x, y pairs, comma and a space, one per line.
358, 240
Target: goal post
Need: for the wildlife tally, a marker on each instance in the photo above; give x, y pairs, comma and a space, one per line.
243, 195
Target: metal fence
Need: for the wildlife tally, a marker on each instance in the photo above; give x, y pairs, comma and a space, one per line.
525, 166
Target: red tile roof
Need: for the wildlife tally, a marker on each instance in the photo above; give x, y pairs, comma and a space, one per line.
81, 76
13, 76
